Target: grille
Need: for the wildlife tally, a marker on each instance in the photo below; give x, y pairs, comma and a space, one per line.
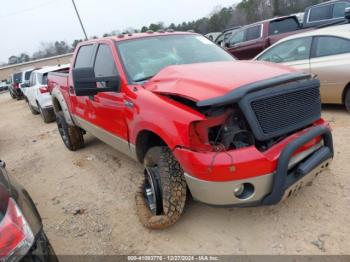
281, 113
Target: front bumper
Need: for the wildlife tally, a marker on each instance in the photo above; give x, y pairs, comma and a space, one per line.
292, 171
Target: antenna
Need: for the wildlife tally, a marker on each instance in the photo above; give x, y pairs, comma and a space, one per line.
81, 23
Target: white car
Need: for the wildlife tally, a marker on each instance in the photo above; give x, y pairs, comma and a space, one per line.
325, 53
37, 94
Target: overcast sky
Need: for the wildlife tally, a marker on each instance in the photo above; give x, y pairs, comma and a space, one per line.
25, 24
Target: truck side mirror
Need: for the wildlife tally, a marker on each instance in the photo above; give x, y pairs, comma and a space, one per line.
87, 84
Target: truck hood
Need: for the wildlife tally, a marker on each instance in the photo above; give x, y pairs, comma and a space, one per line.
200, 82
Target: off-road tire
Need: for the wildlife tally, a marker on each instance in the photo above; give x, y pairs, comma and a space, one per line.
173, 189
31, 108
347, 100
72, 136
47, 115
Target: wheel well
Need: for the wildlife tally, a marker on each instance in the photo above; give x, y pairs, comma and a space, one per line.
56, 105
146, 140
346, 89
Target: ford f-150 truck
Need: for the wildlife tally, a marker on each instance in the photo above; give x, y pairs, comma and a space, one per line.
231, 132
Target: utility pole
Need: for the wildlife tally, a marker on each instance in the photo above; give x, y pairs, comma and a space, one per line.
81, 23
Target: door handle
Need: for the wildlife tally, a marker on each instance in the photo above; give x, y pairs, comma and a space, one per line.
71, 89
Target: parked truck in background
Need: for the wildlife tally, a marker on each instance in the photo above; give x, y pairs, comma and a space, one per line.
325, 13
18, 82
235, 133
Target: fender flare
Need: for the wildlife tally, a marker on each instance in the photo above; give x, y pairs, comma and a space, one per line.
59, 104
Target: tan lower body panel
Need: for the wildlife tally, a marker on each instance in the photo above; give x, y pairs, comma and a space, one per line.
116, 142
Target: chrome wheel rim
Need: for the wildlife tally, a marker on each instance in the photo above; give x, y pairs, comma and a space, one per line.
152, 190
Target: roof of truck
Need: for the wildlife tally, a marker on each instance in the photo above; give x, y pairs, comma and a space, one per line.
129, 36
272, 19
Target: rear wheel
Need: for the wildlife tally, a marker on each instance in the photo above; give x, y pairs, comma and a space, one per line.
72, 136
46, 114
12, 95
161, 196
32, 109
347, 100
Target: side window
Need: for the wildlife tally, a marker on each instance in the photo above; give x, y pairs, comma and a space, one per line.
237, 38
327, 46
289, 51
283, 26
339, 9
104, 63
320, 13
253, 33
84, 56
27, 75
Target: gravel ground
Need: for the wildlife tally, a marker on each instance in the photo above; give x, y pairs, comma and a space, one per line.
86, 199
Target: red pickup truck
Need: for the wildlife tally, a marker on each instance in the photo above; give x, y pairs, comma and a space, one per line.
233, 133
251, 40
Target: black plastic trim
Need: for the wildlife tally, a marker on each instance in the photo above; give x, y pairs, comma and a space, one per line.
245, 105
282, 180
237, 94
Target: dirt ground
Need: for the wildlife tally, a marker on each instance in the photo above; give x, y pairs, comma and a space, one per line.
86, 199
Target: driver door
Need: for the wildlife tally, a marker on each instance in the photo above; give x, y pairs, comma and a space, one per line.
108, 108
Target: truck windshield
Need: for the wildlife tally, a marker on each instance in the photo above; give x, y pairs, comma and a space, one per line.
144, 58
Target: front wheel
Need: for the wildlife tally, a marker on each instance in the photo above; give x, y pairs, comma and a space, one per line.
161, 196
72, 136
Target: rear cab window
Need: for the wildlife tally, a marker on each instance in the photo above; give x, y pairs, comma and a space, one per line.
283, 26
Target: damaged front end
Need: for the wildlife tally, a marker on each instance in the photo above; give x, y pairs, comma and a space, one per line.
257, 143
260, 114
